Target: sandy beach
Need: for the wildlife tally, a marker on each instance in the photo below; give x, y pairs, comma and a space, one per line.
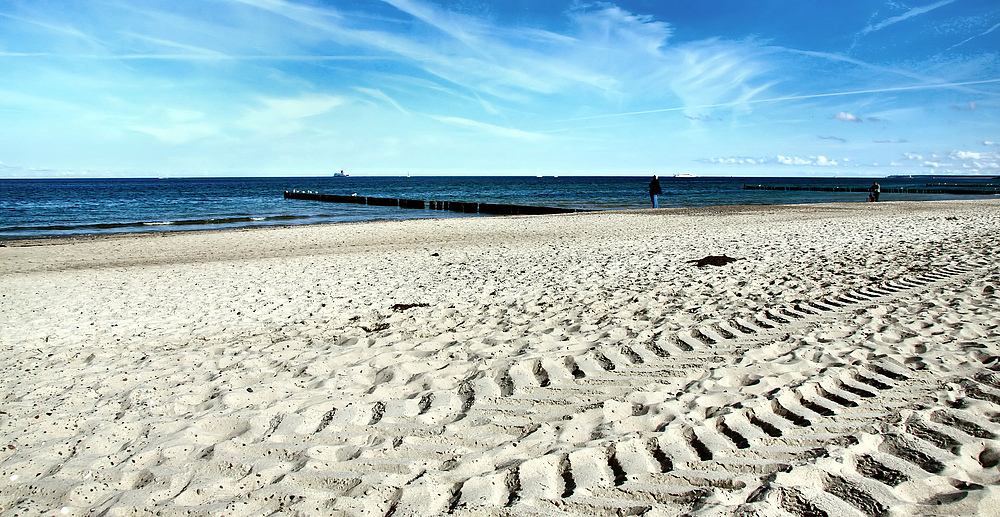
847, 362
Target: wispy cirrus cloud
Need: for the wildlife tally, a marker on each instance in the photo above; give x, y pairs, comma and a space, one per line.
283, 116
490, 129
381, 96
916, 11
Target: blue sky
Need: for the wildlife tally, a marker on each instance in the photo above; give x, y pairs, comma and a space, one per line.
707, 87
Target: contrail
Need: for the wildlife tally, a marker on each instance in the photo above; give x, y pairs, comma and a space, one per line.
905, 16
991, 29
792, 98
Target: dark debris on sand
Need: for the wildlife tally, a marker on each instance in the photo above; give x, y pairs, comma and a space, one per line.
713, 260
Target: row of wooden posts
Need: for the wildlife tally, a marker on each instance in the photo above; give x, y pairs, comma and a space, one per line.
454, 206
896, 190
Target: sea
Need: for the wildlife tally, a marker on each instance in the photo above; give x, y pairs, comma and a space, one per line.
49, 208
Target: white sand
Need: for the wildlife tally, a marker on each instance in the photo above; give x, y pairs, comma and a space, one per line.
549, 365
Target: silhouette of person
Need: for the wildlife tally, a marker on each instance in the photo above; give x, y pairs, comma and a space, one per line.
655, 191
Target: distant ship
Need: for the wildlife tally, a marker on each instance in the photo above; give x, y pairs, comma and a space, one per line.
685, 175
340, 174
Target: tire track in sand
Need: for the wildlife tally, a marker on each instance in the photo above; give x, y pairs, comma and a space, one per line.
830, 406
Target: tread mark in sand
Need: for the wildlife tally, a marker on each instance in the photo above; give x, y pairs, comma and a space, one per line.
657, 350
325, 421
895, 445
541, 375
700, 336
378, 410
569, 486
937, 438
871, 381
833, 397
604, 362
616, 468
468, 396
513, 482
574, 368
854, 390
704, 453
871, 468
741, 328
632, 355
795, 503
425, 402
854, 495
653, 446
738, 439
768, 429
506, 383
969, 428
783, 412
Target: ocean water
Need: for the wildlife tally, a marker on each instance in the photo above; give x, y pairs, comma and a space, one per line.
64, 207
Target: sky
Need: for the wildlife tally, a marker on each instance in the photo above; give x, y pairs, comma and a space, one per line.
147, 88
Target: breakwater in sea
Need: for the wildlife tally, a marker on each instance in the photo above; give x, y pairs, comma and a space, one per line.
419, 204
959, 190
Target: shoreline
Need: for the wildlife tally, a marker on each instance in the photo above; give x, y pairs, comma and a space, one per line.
517, 365
41, 238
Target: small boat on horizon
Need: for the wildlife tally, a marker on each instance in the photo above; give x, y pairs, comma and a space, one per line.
685, 175
340, 174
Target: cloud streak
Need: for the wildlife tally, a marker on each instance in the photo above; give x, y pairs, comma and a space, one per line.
916, 11
963, 42
490, 129
801, 97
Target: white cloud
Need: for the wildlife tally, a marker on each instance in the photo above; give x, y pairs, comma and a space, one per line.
379, 95
715, 74
176, 126
612, 27
283, 116
846, 117
989, 160
970, 106
490, 129
808, 161
175, 134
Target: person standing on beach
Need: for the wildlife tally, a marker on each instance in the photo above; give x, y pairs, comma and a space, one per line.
874, 191
654, 191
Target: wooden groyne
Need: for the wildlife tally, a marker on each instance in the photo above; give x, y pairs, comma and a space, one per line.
454, 206
895, 190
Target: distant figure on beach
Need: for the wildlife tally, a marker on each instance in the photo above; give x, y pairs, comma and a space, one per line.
874, 191
654, 191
